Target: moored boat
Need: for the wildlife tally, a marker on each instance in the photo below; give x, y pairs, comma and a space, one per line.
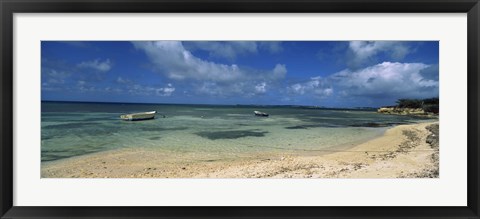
258, 113
139, 116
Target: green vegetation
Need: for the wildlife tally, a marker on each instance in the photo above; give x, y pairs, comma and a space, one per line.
429, 105
409, 103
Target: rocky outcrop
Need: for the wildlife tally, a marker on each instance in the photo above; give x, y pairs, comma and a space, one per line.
402, 111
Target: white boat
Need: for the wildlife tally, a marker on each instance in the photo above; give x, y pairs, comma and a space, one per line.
139, 116
258, 113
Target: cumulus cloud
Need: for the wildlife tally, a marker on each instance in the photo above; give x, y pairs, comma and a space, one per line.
239, 89
230, 50
271, 46
431, 72
84, 87
121, 80
384, 80
279, 71
112, 90
317, 85
53, 76
363, 52
227, 49
137, 89
98, 65
261, 88
387, 79
210, 88
58, 72
53, 79
175, 62
165, 91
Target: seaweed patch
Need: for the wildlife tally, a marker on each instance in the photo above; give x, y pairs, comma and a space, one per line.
70, 125
231, 134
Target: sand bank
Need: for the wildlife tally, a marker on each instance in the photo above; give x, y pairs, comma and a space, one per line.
403, 151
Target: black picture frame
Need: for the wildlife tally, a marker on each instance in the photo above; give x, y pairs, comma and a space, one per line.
9, 7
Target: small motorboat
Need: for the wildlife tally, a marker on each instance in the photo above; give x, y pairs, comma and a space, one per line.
258, 113
139, 116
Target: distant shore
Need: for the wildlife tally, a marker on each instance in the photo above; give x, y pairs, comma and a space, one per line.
221, 105
404, 151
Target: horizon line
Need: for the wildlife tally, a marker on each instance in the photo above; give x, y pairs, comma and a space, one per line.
207, 104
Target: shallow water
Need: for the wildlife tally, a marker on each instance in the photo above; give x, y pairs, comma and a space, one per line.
73, 129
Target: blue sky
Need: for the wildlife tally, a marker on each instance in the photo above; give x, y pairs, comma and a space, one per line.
318, 73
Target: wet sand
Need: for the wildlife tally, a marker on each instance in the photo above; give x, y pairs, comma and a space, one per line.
404, 151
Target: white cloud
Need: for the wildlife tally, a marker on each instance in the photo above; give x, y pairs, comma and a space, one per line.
121, 80
261, 88
98, 65
279, 71
55, 74
113, 90
363, 51
210, 88
227, 49
232, 49
137, 89
53, 80
175, 62
387, 79
316, 85
83, 87
324, 92
165, 91
238, 89
271, 46
172, 59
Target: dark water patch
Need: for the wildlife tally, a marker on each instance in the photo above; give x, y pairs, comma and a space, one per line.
57, 119
231, 134
49, 134
151, 129
79, 120
45, 137
70, 125
96, 132
57, 151
376, 125
46, 115
297, 127
154, 138
100, 119
305, 126
313, 126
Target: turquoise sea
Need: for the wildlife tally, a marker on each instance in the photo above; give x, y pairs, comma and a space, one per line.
75, 128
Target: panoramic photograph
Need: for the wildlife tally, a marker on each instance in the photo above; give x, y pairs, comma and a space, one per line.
240, 109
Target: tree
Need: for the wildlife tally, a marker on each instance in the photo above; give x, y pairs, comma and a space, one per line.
409, 103
428, 105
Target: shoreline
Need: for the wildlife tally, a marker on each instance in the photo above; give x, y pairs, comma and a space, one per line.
401, 152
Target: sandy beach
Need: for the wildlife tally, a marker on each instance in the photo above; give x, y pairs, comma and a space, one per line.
404, 151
